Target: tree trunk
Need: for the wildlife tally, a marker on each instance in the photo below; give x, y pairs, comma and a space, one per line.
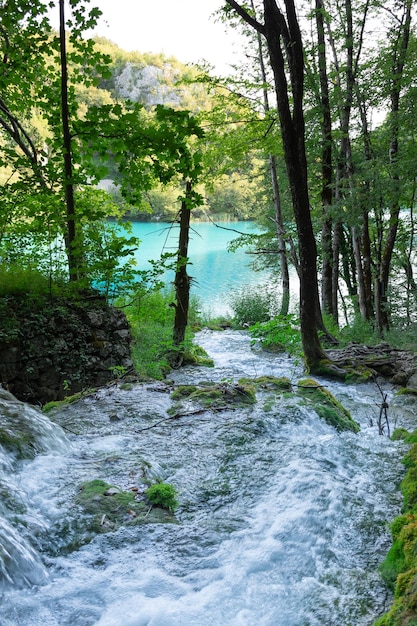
279, 222
182, 280
73, 253
400, 53
284, 31
293, 137
326, 170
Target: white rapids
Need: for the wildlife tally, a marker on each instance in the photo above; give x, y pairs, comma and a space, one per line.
282, 520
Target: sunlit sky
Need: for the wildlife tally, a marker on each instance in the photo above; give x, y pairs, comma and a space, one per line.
185, 29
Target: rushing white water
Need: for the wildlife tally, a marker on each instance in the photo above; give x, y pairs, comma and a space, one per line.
282, 520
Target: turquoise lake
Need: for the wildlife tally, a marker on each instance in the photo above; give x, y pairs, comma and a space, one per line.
216, 272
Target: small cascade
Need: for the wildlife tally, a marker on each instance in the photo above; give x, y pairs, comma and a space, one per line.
282, 520
25, 432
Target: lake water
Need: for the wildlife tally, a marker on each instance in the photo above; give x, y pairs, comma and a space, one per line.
216, 272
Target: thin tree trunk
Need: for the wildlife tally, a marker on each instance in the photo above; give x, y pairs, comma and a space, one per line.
362, 299
327, 168
70, 238
400, 54
285, 275
182, 280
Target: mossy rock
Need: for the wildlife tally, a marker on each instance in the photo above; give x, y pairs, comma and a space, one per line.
196, 355
59, 404
407, 391
108, 507
183, 391
271, 383
216, 395
24, 430
403, 611
18, 441
326, 405
359, 374
409, 488
400, 434
399, 569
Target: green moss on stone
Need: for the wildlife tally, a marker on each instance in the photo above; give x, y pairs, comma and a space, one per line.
326, 405
400, 434
409, 391
58, 404
107, 507
196, 355
216, 395
19, 442
269, 382
399, 569
183, 391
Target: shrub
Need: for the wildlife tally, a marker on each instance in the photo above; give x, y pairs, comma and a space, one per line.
251, 305
163, 495
16, 279
151, 318
279, 334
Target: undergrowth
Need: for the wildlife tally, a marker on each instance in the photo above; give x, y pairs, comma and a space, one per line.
151, 318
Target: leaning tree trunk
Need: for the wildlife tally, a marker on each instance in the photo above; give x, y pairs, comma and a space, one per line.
182, 280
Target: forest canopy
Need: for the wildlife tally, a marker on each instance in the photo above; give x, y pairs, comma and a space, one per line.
313, 137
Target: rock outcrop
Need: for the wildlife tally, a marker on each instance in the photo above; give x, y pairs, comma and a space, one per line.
53, 347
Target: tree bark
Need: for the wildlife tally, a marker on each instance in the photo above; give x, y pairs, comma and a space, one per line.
284, 33
182, 280
400, 53
279, 222
327, 168
70, 237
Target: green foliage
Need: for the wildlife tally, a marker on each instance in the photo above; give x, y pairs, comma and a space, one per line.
21, 279
251, 305
151, 317
163, 495
279, 334
359, 331
399, 569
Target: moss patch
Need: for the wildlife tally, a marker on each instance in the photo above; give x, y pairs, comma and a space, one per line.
271, 383
407, 391
326, 405
216, 395
58, 404
107, 507
399, 569
196, 355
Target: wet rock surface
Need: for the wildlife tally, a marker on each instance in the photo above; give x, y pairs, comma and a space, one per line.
52, 348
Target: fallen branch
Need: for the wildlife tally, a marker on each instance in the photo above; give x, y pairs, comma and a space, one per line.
188, 413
